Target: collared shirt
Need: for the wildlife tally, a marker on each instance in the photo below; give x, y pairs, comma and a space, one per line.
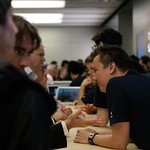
65, 129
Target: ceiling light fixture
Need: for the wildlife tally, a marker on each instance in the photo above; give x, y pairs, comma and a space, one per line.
38, 4
42, 18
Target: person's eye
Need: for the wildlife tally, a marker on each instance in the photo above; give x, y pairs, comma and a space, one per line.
19, 52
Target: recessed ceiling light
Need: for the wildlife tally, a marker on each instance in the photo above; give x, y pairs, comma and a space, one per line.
42, 18
38, 4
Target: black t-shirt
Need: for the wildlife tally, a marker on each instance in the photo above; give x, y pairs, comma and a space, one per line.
77, 81
88, 98
100, 98
129, 101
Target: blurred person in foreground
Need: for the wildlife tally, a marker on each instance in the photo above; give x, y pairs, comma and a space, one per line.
23, 112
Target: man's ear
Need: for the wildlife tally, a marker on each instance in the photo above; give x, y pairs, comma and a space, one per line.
112, 67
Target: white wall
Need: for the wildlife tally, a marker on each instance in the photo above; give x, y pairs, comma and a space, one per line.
69, 43
141, 22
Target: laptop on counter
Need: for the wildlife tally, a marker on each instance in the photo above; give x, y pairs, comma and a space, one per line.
67, 95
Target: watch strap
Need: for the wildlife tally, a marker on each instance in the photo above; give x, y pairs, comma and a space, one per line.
91, 137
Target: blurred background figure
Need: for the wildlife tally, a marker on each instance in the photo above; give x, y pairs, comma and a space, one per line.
76, 70
63, 71
51, 72
55, 66
144, 61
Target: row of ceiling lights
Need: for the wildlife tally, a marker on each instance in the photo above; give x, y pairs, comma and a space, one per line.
40, 18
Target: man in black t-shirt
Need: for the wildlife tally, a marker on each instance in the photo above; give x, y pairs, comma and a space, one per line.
128, 103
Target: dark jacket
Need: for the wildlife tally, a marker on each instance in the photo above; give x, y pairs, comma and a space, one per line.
25, 110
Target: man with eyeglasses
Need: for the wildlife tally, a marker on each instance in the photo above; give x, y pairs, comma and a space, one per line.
108, 37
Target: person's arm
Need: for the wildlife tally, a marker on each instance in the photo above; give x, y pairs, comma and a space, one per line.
62, 113
57, 136
78, 120
102, 113
118, 139
86, 82
57, 131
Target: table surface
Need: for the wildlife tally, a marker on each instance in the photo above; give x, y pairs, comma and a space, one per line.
78, 146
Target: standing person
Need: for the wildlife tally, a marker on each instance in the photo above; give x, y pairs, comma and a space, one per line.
111, 37
127, 101
107, 37
29, 44
25, 107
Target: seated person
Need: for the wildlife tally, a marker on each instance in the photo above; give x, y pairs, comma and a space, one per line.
75, 70
86, 93
144, 61
127, 101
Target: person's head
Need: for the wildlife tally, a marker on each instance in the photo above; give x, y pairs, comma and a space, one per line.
108, 63
144, 61
63, 74
27, 40
54, 63
75, 69
107, 37
64, 63
52, 70
7, 31
89, 64
37, 58
41, 76
134, 57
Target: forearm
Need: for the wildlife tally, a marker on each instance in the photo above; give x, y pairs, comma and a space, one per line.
102, 114
108, 141
118, 139
81, 94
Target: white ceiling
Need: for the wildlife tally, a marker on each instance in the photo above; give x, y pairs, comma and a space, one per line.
81, 12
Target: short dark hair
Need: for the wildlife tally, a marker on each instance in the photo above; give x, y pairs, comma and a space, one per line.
75, 67
64, 62
88, 59
145, 59
54, 62
108, 36
4, 6
116, 55
26, 28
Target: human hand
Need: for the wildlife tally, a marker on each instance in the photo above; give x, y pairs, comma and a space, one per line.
87, 82
82, 136
62, 113
89, 108
77, 119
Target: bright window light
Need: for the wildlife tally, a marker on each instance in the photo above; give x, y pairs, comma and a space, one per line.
38, 4
42, 18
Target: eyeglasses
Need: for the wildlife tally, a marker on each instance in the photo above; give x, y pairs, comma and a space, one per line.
94, 47
21, 51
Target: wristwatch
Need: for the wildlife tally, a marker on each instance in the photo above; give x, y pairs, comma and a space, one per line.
91, 137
